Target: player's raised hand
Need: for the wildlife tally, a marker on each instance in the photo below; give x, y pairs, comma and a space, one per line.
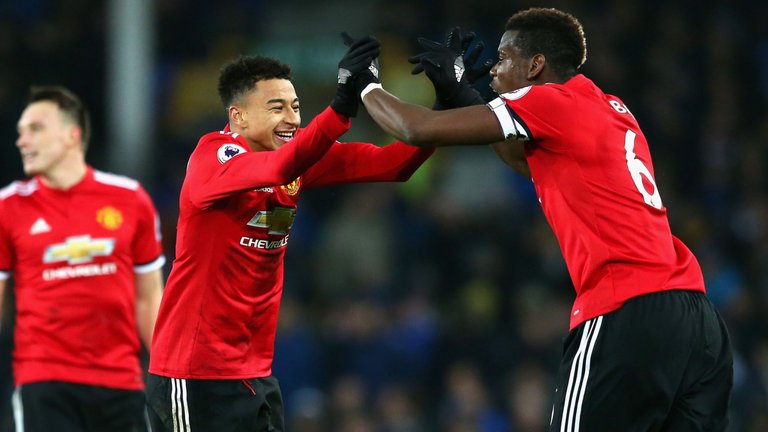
442, 55
357, 62
366, 76
361, 53
444, 65
474, 72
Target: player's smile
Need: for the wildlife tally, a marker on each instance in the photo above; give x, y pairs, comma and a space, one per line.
28, 156
285, 135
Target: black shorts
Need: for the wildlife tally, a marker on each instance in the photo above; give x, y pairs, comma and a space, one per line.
662, 362
66, 407
191, 405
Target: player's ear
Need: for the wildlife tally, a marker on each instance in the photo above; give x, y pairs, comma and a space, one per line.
536, 66
75, 134
235, 114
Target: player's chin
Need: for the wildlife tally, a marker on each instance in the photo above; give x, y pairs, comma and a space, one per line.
31, 169
278, 141
494, 85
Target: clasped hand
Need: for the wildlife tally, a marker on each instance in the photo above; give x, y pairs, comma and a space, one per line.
358, 68
449, 70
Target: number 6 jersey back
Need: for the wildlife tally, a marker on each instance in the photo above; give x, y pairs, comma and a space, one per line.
593, 174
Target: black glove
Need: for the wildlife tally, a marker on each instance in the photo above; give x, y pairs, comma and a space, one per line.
356, 62
471, 72
366, 76
445, 66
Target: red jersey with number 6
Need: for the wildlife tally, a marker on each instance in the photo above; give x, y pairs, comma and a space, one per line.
593, 174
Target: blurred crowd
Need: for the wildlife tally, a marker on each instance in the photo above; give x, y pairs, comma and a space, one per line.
440, 304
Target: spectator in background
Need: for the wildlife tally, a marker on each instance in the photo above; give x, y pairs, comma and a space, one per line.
83, 249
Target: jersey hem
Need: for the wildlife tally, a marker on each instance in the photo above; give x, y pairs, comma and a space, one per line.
43, 371
169, 374
620, 303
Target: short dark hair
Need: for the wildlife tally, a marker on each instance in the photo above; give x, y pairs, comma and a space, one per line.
69, 104
556, 34
239, 76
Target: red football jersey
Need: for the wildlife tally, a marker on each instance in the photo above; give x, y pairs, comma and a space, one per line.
218, 316
73, 254
592, 171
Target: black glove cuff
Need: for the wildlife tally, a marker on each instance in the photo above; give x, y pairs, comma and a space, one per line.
345, 102
361, 81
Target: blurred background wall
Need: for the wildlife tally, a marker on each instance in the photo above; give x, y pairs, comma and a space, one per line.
439, 304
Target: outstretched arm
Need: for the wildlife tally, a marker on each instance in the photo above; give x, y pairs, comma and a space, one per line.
353, 162
420, 126
452, 69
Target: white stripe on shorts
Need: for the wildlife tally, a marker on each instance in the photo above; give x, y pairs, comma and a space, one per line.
179, 406
146, 419
577, 380
18, 409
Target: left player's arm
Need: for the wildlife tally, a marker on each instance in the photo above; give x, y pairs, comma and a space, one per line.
149, 291
365, 162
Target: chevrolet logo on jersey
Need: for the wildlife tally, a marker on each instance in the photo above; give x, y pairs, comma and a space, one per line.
278, 221
78, 249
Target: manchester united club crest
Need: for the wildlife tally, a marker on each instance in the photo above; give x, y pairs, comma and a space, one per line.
109, 217
292, 188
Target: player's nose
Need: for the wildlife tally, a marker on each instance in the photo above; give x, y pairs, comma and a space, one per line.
22, 140
292, 118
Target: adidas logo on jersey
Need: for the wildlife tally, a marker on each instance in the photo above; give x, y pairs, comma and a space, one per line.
40, 226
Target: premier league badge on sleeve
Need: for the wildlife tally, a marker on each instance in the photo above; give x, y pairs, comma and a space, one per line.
228, 151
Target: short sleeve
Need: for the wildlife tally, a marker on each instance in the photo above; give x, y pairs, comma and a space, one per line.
536, 113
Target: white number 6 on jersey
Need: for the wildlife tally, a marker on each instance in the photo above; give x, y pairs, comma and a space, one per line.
638, 171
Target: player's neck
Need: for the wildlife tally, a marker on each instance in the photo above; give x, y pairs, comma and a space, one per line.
65, 174
555, 78
252, 146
